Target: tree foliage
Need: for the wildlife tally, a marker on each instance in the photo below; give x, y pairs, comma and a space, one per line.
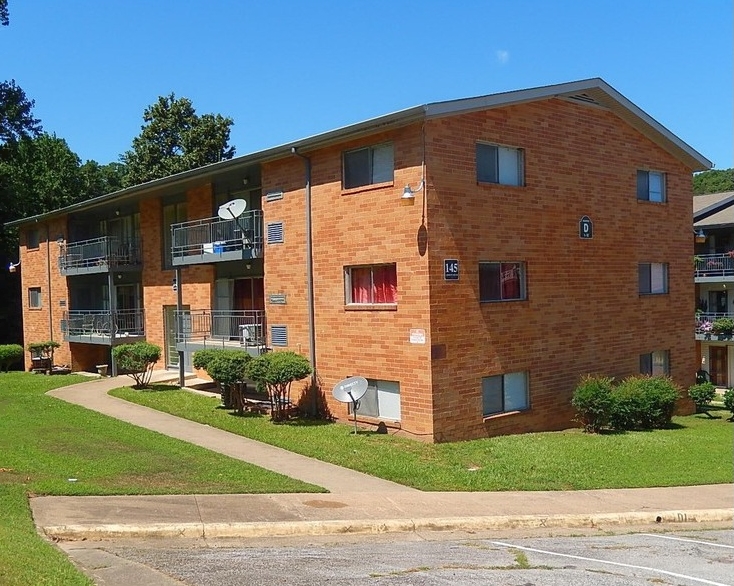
174, 139
276, 371
714, 181
4, 14
137, 360
16, 116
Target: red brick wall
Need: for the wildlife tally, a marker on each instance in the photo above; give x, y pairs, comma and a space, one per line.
583, 313
360, 226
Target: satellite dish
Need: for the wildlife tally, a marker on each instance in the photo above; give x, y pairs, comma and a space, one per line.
351, 390
232, 209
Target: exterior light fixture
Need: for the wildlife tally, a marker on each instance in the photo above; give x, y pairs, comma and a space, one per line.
700, 236
13, 267
175, 284
408, 197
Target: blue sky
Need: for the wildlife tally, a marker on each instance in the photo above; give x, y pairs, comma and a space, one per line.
285, 70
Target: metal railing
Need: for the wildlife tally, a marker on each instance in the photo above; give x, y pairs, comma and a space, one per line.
100, 323
211, 236
103, 253
714, 265
705, 322
221, 328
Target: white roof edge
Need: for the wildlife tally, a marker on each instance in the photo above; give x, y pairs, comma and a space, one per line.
447, 108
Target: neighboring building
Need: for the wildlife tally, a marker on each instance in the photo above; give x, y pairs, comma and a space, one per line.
713, 217
550, 237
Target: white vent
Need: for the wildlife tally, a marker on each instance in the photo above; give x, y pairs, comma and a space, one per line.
273, 195
275, 233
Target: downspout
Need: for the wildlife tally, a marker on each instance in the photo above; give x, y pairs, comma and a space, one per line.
309, 281
179, 329
48, 275
112, 304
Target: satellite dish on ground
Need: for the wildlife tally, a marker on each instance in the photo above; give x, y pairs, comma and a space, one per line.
351, 390
232, 209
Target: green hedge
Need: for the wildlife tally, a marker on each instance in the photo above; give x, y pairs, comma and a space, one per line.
10, 354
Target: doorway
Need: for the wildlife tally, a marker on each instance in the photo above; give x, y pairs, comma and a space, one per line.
718, 365
169, 314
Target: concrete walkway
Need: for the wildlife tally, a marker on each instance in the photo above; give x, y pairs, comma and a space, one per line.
358, 503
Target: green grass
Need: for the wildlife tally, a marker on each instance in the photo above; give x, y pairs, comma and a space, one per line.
44, 442
695, 450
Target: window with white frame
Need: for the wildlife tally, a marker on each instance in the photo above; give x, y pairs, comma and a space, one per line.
499, 164
504, 393
651, 186
368, 165
34, 297
371, 285
655, 363
381, 400
653, 278
501, 281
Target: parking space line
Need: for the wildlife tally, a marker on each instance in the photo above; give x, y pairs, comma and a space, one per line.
711, 543
582, 558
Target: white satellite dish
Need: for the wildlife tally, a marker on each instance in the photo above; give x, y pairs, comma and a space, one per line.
351, 390
232, 209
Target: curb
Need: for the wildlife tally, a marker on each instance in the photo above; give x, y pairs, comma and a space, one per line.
379, 526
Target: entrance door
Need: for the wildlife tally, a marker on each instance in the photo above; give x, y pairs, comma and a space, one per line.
718, 365
249, 294
169, 314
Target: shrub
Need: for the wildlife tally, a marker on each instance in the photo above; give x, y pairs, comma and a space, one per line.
202, 358
137, 360
10, 354
729, 402
227, 368
643, 402
723, 325
702, 394
276, 371
592, 400
43, 349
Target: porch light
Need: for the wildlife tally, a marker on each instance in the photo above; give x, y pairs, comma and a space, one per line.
408, 197
700, 236
13, 267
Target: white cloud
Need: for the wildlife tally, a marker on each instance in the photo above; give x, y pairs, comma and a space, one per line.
503, 56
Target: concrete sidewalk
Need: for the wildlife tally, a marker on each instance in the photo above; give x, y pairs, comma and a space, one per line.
358, 503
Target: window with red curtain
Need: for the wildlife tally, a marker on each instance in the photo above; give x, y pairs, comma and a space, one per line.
377, 284
501, 281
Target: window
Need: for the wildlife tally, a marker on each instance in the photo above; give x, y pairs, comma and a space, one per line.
34, 297
382, 400
498, 164
655, 363
367, 166
172, 214
501, 281
375, 284
32, 239
651, 186
653, 278
504, 393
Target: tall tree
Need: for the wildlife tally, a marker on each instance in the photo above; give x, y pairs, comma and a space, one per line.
99, 179
4, 14
16, 117
714, 181
175, 139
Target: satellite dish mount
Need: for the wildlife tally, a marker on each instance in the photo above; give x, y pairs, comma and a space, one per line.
232, 210
351, 390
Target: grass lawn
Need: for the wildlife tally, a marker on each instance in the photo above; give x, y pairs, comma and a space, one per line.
695, 450
44, 442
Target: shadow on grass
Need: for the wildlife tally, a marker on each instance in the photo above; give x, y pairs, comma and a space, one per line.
157, 388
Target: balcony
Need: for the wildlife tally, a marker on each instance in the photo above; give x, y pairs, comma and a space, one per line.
99, 255
714, 267
106, 328
216, 240
199, 329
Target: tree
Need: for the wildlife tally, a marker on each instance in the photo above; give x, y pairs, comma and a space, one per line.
4, 14
99, 179
16, 118
276, 371
175, 139
136, 360
714, 181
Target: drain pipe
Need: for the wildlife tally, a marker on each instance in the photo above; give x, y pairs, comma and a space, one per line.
309, 280
179, 329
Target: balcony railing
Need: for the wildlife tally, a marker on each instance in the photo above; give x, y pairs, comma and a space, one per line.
714, 265
98, 255
214, 239
99, 326
210, 328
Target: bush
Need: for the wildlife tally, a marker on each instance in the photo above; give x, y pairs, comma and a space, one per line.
10, 354
643, 402
202, 358
137, 360
593, 402
729, 402
276, 371
723, 325
702, 394
227, 368
43, 349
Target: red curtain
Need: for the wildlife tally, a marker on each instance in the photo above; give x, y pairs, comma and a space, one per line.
374, 284
361, 285
510, 280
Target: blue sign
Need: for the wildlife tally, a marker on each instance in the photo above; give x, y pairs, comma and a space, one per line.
586, 228
451, 269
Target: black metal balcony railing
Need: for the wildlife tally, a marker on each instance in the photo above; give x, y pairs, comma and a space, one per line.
102, 326
215, 239
211, 328
98, 255
706, 324
714, 265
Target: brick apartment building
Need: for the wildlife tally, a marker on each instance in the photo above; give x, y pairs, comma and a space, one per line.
549, 236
